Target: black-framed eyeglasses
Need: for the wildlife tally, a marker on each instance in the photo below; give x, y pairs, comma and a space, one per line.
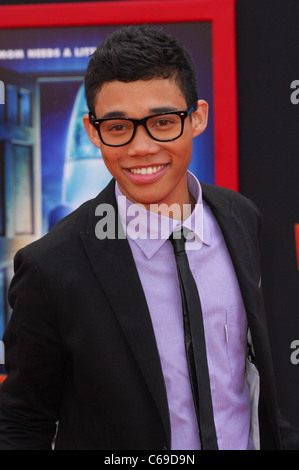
163, 127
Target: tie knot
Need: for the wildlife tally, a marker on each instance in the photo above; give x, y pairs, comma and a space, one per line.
177, 239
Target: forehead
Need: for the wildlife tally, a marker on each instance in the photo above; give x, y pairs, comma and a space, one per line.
139, 98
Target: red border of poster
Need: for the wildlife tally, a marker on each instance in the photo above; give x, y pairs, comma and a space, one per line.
221, 13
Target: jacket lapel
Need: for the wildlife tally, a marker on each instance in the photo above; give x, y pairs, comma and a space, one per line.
238, 243
236, 228
113, 264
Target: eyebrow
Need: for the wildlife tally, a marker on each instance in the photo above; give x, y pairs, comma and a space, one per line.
163, 109
113, 114
121, 114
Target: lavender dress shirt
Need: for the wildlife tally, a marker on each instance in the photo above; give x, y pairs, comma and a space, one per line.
223, 311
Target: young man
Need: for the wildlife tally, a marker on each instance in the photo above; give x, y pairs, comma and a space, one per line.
96, 341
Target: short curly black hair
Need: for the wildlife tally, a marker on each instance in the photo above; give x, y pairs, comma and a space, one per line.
140, 52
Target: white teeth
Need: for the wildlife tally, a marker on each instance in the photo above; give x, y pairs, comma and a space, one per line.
146, 171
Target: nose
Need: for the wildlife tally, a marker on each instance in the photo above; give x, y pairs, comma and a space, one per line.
142, 143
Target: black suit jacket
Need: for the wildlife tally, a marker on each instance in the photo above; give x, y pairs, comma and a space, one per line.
80, 347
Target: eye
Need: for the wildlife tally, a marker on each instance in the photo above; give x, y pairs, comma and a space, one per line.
164, 122
117, 127
113, 126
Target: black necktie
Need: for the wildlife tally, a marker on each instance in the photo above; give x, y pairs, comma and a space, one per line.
195, 346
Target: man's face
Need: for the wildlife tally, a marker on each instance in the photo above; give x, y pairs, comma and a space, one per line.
166, 163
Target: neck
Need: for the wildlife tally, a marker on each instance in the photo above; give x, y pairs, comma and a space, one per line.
177, 211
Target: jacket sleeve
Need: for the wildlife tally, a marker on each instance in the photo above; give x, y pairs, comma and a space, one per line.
29, 397
289, 434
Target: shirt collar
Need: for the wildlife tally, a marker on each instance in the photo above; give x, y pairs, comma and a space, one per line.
149, 230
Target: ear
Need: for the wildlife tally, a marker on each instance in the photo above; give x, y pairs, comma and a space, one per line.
200, 118
91, 131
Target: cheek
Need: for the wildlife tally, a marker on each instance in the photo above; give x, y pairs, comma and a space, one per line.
111, 158
184, 154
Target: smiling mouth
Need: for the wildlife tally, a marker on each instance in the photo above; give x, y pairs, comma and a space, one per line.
149, 170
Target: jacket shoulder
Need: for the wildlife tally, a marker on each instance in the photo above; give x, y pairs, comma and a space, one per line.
65, 235
218, 195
